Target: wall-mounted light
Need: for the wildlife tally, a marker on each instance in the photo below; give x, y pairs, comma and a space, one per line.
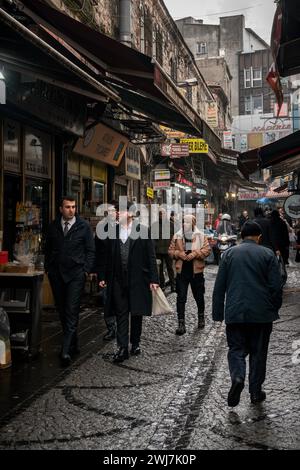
2, 88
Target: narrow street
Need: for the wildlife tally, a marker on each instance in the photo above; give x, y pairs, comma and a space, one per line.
172, 396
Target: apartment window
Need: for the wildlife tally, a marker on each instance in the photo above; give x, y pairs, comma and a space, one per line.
252, 78
201, 48
247, 78
248, 105
257, 104
254, 104
256, 78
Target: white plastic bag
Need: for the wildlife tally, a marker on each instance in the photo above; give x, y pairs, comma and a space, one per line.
160, 305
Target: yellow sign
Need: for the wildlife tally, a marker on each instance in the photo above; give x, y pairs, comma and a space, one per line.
103, 144
172, 133
150, 193
196, 145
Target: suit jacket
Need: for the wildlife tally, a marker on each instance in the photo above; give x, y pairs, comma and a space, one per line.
142, 270
71, 255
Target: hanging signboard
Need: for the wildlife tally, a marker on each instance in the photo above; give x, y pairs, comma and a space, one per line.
172, 133
162, 175
212, 115
161, 185
150, 193
104, 144
196, 145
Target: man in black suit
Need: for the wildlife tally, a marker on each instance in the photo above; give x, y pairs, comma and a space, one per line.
249, 277
69, 258
130, 273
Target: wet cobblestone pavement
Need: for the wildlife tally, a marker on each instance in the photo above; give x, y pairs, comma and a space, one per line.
172, 396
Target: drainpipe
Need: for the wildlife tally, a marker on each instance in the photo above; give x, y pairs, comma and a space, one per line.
125, 22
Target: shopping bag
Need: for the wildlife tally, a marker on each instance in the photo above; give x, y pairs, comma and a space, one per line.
160, 305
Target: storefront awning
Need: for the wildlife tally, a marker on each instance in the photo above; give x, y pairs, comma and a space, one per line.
282, 155
45, 62
113, 58
288, 49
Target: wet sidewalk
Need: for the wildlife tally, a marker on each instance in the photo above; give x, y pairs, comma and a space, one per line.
172, 396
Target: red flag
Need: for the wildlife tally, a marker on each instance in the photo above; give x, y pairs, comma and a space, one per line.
273, 79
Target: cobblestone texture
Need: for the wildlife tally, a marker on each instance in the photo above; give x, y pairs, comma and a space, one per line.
173, 396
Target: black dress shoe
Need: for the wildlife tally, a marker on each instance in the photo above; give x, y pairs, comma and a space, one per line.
66, 359
258, 397
110, 335
135, 350
74, 351
121, 355
235, 392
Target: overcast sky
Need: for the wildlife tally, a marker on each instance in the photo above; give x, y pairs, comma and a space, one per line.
258, 14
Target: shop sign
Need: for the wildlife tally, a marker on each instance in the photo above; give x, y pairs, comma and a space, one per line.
250, 196
150, 193
202, 192
182, 180
179, 150
51, 104
161, 185
212, 115
201, 181
37, 153
227, 140
175, 150
292, 206
228, 160
133, 162
103, 144
196, 145
172, 133
162, 175
11, 148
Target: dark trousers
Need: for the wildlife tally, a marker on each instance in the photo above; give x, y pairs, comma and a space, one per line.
121, 308
248, 339
110, 320
67, 296
169, 263
183, 280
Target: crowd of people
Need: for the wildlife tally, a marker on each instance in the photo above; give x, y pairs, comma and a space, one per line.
125, 259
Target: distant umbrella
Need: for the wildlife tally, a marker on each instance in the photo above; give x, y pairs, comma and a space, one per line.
264, 200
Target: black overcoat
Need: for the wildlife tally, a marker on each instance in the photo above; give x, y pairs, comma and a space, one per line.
142, 271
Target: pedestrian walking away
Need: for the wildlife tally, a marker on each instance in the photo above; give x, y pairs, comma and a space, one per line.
129, 272
250, 279
189, 247
69, 258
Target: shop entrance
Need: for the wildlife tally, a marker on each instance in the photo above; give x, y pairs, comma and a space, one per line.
12, 194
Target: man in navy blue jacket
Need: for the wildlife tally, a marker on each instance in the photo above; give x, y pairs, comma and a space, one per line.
249, 276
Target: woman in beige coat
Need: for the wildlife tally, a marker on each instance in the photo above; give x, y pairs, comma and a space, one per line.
189, 247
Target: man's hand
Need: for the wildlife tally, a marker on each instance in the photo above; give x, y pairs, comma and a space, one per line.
102, 284
182, 255
154, 286
190, 257
278, 253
